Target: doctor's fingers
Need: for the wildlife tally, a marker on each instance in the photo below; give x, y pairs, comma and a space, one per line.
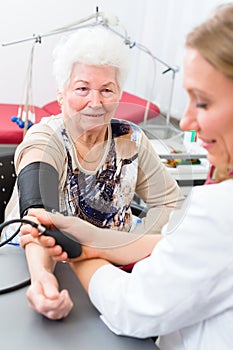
27, 238
27, 228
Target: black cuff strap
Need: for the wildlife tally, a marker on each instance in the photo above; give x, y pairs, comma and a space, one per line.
38, 187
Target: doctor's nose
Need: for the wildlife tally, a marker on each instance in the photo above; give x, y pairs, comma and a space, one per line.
189, 120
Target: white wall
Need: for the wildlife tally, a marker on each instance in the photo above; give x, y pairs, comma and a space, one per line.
161, 25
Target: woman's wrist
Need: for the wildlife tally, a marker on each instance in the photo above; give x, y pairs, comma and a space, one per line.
89, 252
27, 239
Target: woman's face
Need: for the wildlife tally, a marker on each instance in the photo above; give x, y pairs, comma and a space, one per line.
91, 96
210, 107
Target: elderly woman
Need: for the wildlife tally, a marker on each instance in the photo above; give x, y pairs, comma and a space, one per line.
97, 163
183, 291
83, 162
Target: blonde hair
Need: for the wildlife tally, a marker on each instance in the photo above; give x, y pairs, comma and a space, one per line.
96, 46
214, 39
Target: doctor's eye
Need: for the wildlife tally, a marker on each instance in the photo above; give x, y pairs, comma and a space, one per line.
203, 105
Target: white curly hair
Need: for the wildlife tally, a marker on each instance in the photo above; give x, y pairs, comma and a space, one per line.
95, 45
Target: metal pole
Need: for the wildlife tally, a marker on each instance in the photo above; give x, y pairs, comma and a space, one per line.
100, 19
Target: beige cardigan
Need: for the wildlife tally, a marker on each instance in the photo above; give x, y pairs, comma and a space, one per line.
154, 184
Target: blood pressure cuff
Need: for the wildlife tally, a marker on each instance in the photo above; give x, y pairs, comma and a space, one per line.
38, 187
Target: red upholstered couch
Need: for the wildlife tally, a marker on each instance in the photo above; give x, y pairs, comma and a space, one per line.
131, 108
11, 133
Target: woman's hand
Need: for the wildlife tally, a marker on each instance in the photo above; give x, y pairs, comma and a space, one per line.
44, 297
69, 224
57, 253
119, 248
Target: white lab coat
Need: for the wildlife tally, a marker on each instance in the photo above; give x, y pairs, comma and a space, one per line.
184, 290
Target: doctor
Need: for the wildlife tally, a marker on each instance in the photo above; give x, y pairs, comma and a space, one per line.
183, 292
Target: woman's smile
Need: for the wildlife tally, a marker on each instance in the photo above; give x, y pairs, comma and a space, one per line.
207, 144
93, 115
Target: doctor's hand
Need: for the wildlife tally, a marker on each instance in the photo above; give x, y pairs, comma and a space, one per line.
44, 297
65, 223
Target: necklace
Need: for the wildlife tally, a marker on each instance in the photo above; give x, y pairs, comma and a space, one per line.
99, 156
84, 158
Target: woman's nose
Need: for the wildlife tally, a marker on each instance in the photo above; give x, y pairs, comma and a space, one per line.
95, 98
189, 121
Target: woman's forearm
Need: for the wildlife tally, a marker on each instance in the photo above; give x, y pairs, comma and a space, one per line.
38, 259
84, 270
129, 251
115, 246
132, 252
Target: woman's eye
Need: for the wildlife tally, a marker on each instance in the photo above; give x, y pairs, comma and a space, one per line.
82, 91
107, 92
203, 105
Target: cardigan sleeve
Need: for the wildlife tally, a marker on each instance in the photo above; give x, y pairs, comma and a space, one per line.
43, 143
